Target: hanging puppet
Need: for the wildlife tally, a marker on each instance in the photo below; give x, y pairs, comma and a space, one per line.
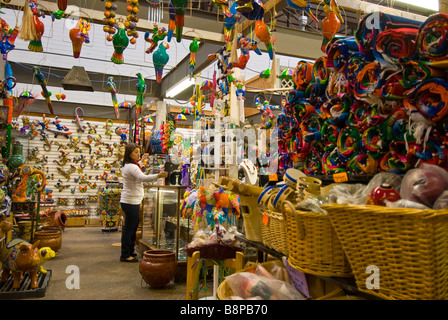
9, 36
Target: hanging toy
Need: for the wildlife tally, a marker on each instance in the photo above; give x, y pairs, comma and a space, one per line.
113, 91
160, 58
302, 5
120, 42
24, 101
263, 33
39, 28
132, 19
141, 90
78, 35
194, 47
155, 12
266, 114
8, 38
43, 83
62, 6
224, 6
171, 23
243, 44
330, 25
179, 10
158, 34
109, 17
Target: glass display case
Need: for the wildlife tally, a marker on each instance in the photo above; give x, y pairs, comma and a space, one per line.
162, 224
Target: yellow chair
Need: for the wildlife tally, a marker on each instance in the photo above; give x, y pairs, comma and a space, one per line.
194, 268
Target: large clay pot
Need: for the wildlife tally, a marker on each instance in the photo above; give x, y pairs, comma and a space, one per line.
49, 238
58, 219
158, 267
16, 159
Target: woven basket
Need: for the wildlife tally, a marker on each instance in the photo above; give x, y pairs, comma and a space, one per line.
409, 247
251, 218
313, 245
273, 231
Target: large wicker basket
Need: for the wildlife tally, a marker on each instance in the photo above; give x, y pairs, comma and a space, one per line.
273, 231
313, 245
407, 247
251, 218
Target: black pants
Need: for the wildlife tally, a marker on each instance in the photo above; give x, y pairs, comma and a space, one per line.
128, 236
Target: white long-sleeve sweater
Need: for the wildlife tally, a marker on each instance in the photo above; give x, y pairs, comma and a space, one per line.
133, 179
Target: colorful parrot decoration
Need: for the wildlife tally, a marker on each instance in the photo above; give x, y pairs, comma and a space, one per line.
120, 41
158, 34
160, 59
302, 5
330, 24
171, 23
194, 47
43, 83
263, 33
141, 90
179, 9
62, 6
112, 87
224, 6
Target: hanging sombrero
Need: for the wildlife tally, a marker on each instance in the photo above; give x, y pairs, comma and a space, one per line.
186, 111
125, 105
286, 74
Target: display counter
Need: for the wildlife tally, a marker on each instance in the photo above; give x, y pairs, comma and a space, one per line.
161, 222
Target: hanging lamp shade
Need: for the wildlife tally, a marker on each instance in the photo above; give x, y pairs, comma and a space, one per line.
77, 80
181, 117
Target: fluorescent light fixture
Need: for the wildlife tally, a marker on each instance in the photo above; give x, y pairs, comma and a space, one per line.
179, 87
427, 4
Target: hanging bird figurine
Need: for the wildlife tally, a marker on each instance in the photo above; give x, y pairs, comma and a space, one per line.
160, 58
224, 6
330, 25
141, 90
333, 4
171, 23
263, 33
112, 87
179, 9
120, 41
302, 5
194, 47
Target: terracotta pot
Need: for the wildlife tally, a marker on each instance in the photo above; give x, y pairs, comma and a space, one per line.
158, 267
49, 238
58, 219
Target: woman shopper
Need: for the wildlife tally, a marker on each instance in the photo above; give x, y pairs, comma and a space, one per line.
132, 196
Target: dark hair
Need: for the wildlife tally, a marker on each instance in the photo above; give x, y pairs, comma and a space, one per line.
127, 152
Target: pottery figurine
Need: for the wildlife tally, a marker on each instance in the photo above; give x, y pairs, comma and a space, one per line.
384, 192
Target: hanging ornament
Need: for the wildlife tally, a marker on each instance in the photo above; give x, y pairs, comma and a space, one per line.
109, 17
9, 36
160, 58
141, 90
120, 42
24, 101
158, 34
78, 35
131, 20
179, 10
181, 117
155, 11
194, 47
62, 6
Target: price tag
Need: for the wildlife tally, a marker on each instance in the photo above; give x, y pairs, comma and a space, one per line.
340, 177
265, 219
273, 177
